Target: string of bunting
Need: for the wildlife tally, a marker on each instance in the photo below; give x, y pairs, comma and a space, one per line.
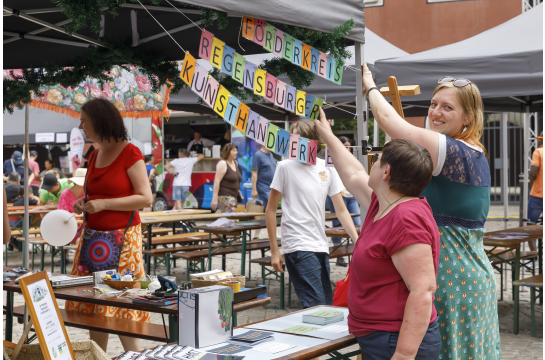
249, 122
286, 46
251, 77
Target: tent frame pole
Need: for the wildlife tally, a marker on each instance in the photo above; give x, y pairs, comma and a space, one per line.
525, 146
361, 104
505, 166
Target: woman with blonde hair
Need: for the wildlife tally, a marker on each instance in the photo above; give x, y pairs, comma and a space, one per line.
227, 181
459, 195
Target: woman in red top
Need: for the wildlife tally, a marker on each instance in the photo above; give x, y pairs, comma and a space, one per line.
117, 185
395, 260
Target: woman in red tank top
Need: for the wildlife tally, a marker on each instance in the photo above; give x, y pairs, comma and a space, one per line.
117, 185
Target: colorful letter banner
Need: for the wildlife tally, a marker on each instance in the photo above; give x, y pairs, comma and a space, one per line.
285, 46
239, 115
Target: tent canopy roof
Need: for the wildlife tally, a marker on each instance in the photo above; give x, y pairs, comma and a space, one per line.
58, 47
504, 61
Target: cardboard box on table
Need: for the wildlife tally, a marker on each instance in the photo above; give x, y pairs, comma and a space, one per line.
205, 316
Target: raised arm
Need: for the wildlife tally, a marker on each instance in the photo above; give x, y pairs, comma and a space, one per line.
394, 125
352, 172
221, 169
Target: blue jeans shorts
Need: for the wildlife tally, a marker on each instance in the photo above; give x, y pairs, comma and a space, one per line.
535, 208
309, 273
381, 345
180, 193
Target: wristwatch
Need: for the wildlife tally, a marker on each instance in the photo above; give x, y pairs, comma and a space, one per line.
373, 88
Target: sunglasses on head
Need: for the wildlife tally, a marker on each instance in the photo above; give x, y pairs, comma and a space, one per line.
456, 82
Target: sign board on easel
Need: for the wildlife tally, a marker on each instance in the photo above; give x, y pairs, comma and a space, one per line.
46, 317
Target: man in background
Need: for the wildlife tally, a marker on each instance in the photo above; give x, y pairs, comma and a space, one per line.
181, 169
199, 143
16, 164
535, 200
35, 168
51, 191
263, 168
12, 186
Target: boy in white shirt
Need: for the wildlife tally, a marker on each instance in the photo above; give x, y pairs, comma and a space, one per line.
181, 169
305, 247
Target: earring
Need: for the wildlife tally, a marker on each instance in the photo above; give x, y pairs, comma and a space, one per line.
465, 128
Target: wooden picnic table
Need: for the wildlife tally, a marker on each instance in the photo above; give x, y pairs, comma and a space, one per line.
172, 212
340, 232
501, 239
77, 293
177, 217
241, 231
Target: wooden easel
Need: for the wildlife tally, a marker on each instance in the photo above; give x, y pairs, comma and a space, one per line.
395, 92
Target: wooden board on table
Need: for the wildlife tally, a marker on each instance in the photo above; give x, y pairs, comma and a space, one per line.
534, 232
197, 217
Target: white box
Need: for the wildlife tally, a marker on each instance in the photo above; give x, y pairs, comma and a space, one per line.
216, 151
205, 316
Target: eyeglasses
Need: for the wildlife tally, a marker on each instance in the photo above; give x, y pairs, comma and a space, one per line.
456, 82
374, 159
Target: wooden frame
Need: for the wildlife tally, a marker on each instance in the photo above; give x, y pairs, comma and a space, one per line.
24, 284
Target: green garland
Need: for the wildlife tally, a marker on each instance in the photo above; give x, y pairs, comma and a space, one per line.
100, 60
95, 64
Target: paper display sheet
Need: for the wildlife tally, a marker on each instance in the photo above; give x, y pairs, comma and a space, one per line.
48, 318
295, 343
294, 323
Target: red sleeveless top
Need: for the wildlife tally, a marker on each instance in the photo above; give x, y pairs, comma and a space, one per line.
112, 182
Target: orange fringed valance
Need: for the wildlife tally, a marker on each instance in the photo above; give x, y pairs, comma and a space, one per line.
126, 114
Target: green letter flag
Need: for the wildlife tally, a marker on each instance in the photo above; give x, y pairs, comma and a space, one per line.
238, 68
270, 144
288, 47
315, 113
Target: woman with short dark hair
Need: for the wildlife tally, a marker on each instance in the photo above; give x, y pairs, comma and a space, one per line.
395, 260
227, 181
116, 185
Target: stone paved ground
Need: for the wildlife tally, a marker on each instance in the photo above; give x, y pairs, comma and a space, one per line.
521, 346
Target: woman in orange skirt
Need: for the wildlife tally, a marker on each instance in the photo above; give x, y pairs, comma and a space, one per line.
117, 185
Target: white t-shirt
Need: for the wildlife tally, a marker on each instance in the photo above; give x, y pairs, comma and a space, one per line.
203, 141
304, 191
184, 168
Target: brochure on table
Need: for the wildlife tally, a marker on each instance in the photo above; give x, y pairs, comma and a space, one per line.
296, 343
294, 324
46, 317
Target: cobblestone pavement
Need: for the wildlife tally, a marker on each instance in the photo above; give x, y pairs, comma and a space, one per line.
521, 346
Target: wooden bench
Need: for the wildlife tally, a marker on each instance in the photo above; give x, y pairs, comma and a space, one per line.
193, 257
179, 238
497, 259
38, 246
534, 283
336, 251
32, 231
124, 327
160, 230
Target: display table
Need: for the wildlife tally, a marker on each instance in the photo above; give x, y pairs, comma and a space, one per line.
79, 294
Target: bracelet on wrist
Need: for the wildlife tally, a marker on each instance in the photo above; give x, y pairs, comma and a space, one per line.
373, 88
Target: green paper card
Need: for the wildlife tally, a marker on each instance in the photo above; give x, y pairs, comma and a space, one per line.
270, 142
338, 76
287, 53
238, 68
315, 113
325, 313
269, 38
300, 329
